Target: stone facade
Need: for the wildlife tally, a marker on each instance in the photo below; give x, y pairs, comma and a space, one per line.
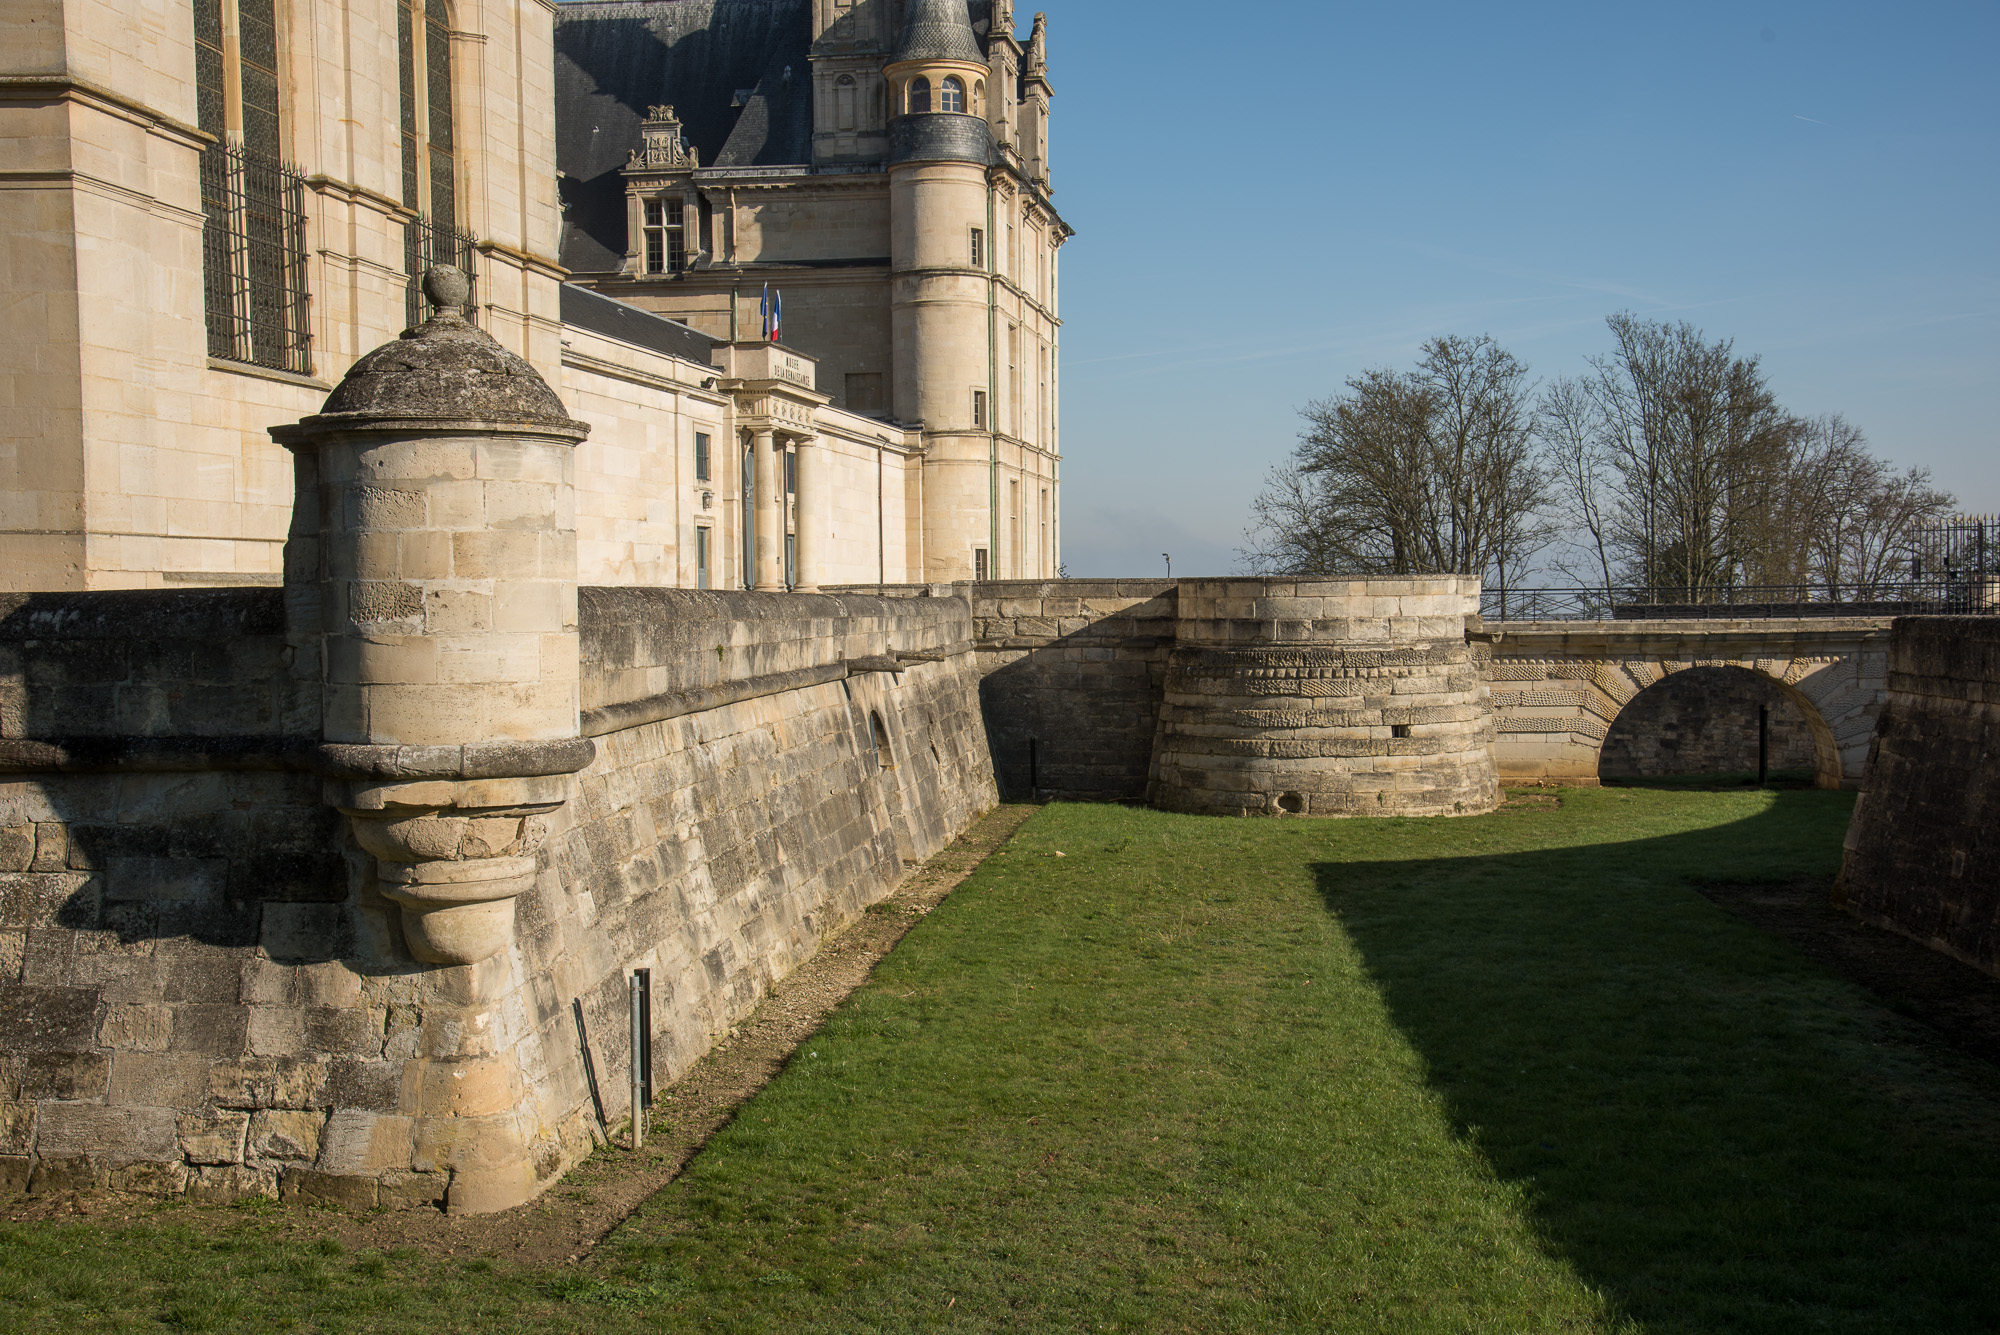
158, 333
883, 167
1921, 851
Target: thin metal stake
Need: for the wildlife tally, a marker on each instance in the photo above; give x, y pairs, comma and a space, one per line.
646, 1030
1763, 743
638, 1067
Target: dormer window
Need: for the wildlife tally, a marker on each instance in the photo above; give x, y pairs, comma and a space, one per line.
952, 96
665, 250
920, 96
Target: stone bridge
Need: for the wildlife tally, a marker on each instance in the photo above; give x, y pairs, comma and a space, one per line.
1558, 685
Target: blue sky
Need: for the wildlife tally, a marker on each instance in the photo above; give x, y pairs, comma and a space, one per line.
1270, 198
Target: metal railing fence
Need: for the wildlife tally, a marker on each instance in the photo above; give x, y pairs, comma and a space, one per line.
427, 243
1955, 596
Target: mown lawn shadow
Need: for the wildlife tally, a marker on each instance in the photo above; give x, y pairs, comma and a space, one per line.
1710, 1128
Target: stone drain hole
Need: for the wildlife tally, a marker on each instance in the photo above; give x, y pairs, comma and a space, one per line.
1291, 802
1399, 730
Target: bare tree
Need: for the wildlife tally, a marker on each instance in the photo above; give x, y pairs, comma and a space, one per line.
1433, 470
1574, 433
1700, 449
1858, 534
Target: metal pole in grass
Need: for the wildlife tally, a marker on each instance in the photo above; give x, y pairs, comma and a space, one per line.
638, 1066
1763, 743
646, 1033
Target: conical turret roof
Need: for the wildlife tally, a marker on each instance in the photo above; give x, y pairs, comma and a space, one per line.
939, 30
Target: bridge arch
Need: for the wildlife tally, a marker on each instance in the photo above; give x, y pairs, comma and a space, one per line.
1557, 687
1703, 718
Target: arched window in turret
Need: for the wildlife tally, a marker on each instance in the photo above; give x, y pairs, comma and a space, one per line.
952, 96
979, 98
920, 96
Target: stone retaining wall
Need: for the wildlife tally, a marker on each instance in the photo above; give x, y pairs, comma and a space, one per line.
1923, 849
202, 989
1072, 679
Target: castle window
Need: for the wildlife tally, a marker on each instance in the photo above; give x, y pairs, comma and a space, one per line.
979, 98
979, 564
665, 250
430, 175
952, 96
920, 96
253, 206
843, 102
879, 735
430, 164
978, 248
867, 392
703, 539
979, 409
701, 456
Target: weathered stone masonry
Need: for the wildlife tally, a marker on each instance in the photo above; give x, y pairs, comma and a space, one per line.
297, 891
1923, 850
203, 989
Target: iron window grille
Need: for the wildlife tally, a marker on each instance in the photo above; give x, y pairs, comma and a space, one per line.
427, 244
253, 242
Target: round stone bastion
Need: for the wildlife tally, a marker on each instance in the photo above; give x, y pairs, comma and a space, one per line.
1328, 697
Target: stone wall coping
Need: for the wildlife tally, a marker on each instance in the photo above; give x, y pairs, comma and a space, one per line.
324, 427
330, 760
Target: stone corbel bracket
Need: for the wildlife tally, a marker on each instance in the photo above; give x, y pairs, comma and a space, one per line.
454, 832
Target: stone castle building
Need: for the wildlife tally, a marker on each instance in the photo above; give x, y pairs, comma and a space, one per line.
213, 207
882, 165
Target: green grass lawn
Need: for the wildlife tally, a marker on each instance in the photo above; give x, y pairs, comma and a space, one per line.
1508, 1073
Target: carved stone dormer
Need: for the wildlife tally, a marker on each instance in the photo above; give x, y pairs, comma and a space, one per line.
664, 145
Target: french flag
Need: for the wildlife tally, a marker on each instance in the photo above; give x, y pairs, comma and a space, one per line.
777, 314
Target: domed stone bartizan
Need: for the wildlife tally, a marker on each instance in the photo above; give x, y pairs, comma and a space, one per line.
446, 369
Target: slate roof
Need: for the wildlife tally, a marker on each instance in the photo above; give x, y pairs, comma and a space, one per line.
628, 323
616, 59
939, 30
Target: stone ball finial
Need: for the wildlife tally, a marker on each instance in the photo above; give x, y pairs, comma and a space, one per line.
447, 289
446, 369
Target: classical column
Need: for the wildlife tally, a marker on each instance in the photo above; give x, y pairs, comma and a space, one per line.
811, 513
770, 542
446, 583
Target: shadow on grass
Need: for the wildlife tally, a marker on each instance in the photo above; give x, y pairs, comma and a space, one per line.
1777, 778
1714, 1131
